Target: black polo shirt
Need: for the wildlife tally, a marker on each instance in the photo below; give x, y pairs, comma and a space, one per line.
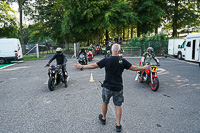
114, 66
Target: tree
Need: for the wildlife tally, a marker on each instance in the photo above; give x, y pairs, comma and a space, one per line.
181, 13
20, 3
8, 26
82, 20
150, 15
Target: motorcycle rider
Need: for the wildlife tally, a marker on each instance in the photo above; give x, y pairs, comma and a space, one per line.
146, 59
82, 51
108, 47
60, 59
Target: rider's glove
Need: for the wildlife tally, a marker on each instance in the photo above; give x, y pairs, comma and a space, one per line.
47, 65
158, 64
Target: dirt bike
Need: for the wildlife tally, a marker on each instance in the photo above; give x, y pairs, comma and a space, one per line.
150, 77
56, 76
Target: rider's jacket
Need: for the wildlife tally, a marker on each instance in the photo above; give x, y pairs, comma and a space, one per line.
147, 58
82, 52
60, 59
108, 47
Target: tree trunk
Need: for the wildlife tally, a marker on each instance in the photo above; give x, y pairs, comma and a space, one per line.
156, 30
107, 37
88, 42
117, 34
66, 42
128, 33
131, 32
124, 33
21, 28
97, 36
174, 23
138, 30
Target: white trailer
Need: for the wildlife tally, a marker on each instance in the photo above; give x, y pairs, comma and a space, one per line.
173, 46
10, 50
190, 49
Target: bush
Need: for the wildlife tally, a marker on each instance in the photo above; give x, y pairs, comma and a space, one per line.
158, 42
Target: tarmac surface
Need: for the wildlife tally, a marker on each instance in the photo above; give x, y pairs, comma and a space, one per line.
27, 105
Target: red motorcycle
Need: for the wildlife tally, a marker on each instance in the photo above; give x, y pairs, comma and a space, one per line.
150, 77
90, 55
97, 49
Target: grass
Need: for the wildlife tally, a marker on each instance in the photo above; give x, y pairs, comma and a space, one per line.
32, 57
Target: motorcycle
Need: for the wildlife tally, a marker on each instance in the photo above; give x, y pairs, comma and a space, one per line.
90, 55
150, 77
108, 52
103, 49
56, 76
97, 49
82, 60
121, 53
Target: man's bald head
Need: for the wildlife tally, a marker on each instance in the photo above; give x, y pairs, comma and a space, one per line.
115, 47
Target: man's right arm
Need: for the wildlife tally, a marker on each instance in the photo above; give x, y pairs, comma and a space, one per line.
136, 68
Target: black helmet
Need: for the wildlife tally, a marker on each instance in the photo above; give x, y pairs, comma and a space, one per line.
82, 49
150, 49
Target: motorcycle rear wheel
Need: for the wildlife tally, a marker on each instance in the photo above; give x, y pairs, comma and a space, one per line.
155, 85
51, 84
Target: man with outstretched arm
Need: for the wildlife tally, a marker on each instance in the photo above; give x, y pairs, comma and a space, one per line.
113, 84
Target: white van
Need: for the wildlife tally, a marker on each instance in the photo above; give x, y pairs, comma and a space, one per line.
173, 46
190, 49
10, 50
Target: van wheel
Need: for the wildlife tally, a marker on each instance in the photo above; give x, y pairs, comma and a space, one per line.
180, 56
2, 61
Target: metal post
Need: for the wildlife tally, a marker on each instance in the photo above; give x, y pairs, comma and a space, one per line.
37, 50
74, 49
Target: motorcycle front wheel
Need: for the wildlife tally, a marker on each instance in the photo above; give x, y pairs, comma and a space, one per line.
51, 84
155, 85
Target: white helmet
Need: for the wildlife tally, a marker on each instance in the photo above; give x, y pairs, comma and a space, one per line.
59, 49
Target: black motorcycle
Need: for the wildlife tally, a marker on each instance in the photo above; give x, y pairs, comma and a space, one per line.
108, 53
82, 60
56, 76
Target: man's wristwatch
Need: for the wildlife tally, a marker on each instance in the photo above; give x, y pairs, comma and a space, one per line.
81, 66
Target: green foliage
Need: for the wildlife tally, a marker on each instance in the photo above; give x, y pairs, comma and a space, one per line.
32, 57
150, 13
159, 43
180, 13
8, 25
90, 17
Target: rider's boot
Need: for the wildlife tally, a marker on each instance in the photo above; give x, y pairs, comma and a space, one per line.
137, 76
